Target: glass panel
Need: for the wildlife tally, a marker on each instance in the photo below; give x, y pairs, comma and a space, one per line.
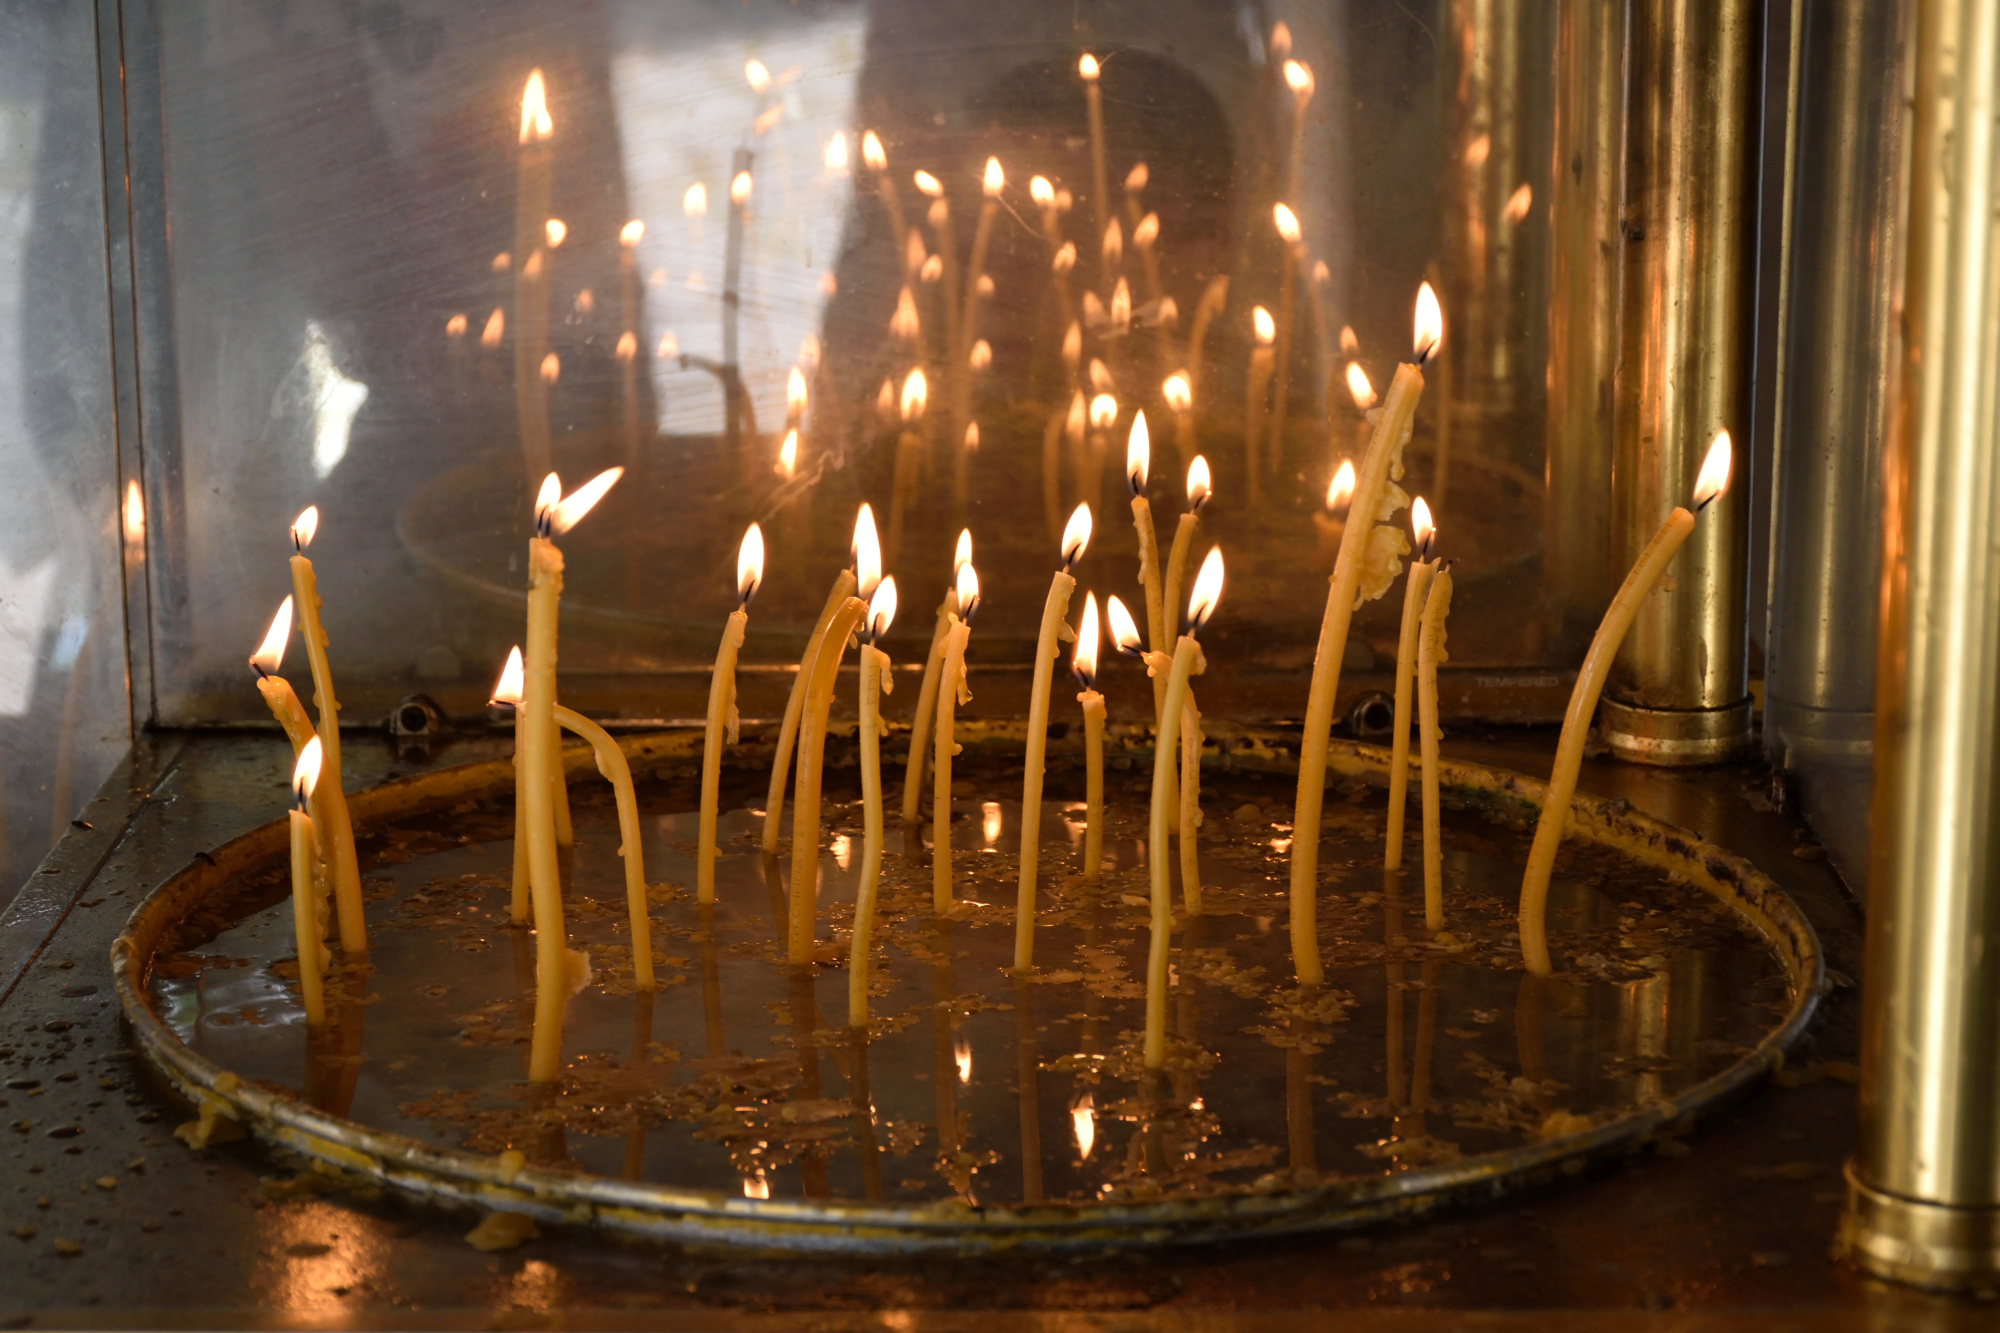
63, 716
372, 317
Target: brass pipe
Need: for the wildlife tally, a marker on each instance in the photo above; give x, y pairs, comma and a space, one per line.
1924, 1184
1587, 195
1679, 691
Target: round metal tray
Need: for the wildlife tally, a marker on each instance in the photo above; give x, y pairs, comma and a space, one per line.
453, 1176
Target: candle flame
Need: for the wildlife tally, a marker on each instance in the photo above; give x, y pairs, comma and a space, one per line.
757, 76
1086, 66
1429, 324
556, 229
1421, 527
1340, 492
135, 513
1358, 385
981, 356
1178, 392
1519, 202
1076, 536
1288, 223
1147, 231
495, 330
1043, 193
1138, 453
1207, 591
1065, 258
270, 654
1714, 477
961, 1049
546, 500
1124, 629
916, 391
749, 564
1299, 78
904, 324
795, 390
1199, 488
882, 609
1137, 177
582, 500
695, 202
535, 123
454, 328
788, 456
866, 549
305, 773
551, 368
1114, 243
756, 1187
304, 526
929, 184
1103, 409
513, 680
1349, 344
836, 153
995, 180
872, 153
739, 189
628, 345
631, 233
961, 556
1083, 663
1264, 326
1083, 1117
968, 592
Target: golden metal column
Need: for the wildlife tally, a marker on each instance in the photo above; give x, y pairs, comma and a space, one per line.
1924, 1186
1679, 692
1587, 170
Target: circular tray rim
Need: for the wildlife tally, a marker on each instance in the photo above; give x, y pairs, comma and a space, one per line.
716, 1218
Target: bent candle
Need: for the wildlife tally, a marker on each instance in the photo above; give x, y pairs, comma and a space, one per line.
1415, 588
1055, 614
330, 802
920, 724
876, 680
722, 716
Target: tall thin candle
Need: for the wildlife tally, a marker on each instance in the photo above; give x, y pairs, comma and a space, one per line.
330, 801
1175, 571
952, 691
1100, 191
876, 680
1055, 614
1256, 396
1415, 589
1430, 652
722, 716
1084, 667
1138, 461
920, 722
1288, 281
788, 730
307, 927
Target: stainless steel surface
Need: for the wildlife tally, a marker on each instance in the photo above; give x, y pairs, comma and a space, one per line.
1586, 258
1931, 1021
1843, 355
1684, 371
63, 717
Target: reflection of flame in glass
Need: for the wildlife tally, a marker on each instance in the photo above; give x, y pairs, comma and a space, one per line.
454, 328
135, 514
695, 202
1519, 202
989, 821
556, 230
756, 1187
836, 153
961, 1051
1178, 393
1083, 1116
841, 848
495, 330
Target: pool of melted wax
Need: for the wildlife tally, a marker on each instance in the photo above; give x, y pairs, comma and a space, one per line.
739, 1074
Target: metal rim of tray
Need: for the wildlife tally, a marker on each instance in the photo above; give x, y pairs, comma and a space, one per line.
705, 1217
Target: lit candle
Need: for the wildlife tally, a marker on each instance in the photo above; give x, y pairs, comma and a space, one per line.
1422, 567
952, 691
1055, 614
1175, 570
330, 806
533, 191
1178, 391
876, 680
1187, 661
1288, 277
1138, 461
722, 715
1639, 583
1369, 550
788, 730
877, 161
307, 906
557, 967
1100, 193
1430, 651
1084, 667
920, 724
277, 691
1256, 394
909, 444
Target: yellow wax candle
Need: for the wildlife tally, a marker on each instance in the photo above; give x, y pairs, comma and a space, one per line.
507, 694
920, 724
1430, 651
788, 731
876, 680
1256, 396
885, 189
1365, 549
1187, 661
952, 691
330, 806
1422, 567
1639, 583
1100, 192
805, 803
1175, 570
722, 717
533, 192
557, 967
306, 907
1189, 803
1084, 667
1055, 614
617, 771
1138, 462
1288, 278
